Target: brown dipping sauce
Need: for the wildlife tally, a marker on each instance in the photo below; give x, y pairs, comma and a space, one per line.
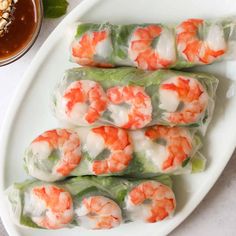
20, 30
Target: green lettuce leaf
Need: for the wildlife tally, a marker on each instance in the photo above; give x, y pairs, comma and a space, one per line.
54, 8
198, 163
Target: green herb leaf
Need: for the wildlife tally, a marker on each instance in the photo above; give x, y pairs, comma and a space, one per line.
84, 192
25, 220
54, 8
54, 157
185, 162
103, 155
121, 195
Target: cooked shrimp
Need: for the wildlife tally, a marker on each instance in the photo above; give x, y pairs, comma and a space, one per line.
177, 143
98, 212
195, 49
184, 99
62, 145
91, 48
130, 106
146, 53
151, 201
117, 142
84, 101
49, 206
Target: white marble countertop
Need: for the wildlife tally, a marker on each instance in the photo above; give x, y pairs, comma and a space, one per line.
216, 214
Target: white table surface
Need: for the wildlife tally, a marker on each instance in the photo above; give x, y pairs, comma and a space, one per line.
216, 215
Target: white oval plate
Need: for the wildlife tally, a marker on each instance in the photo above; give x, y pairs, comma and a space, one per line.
30, 112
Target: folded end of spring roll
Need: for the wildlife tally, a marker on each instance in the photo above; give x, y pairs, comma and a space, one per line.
40, 205
93, 39
90, 202
16, 204
229, 28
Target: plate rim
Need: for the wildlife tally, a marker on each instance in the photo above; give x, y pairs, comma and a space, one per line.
17, 99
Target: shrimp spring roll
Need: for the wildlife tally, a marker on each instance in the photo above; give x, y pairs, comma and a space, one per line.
91, 202
107, 150
131, 98
155, 46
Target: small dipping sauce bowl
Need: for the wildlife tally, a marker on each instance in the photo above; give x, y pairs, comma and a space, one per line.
20, 23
